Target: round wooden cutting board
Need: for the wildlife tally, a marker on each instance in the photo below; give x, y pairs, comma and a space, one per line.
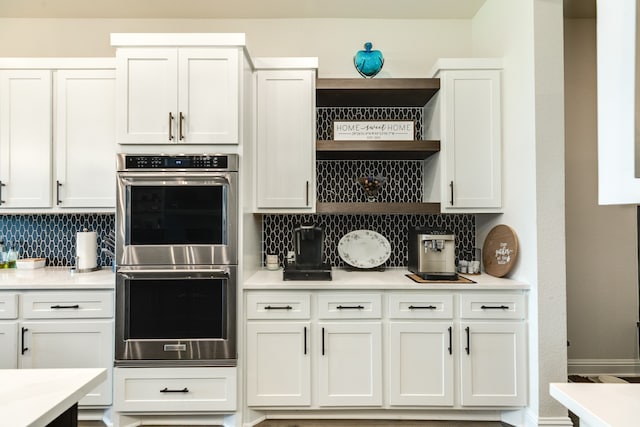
500, 251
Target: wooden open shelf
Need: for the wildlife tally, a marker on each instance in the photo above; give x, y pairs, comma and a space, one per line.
375, 92
377, 208
376, 150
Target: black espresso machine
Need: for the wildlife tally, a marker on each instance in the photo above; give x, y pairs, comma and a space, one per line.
308, 242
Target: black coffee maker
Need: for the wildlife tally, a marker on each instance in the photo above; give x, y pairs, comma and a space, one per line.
308, 242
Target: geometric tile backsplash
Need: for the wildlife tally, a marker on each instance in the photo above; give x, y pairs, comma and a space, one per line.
278, 232
337, 180
53, 236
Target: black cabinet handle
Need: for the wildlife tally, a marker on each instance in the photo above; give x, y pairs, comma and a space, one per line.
305, 340
1, 185
307, 196
180, 126
468, 347
350, 307
166, 390
450, 340
451, 186
58, 185
323, 341
278, 307
170, 126
23, 348
58, 307
423, 307
494, 307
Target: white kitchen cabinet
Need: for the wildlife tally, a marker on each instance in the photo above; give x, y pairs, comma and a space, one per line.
350, 365
492, 364
278, 349
175, 390
285, 140
9, 344
85, 138
470, 127
492, 349
184, 95
278, 364
25, 139
420, 348
69, 344
61, 329
8, 330
57, 130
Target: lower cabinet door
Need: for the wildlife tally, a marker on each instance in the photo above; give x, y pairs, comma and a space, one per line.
420, 363
9, 345
493, 364
278, 364
350, 363
70, 344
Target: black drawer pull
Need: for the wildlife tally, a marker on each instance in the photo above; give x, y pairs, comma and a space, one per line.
166, 390
423, 307
494, 307
450, 340
350, 307
279, 307
58, 307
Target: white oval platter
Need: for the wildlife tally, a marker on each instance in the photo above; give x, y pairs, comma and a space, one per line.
364, 249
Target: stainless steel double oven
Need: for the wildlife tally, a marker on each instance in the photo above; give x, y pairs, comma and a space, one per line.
176, 260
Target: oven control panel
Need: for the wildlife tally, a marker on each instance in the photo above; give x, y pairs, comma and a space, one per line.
173, 162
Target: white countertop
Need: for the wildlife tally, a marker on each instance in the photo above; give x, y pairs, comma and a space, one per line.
35, 397
55, 278
391, 278
600, 405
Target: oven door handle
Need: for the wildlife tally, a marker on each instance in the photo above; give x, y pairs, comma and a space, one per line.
130, 274
149, 178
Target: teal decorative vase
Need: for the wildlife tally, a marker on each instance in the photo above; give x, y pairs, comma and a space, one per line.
368, 62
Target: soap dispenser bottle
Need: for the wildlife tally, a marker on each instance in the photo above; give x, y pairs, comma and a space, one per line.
12, 256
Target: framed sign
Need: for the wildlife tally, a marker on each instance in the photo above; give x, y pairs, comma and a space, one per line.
387, 130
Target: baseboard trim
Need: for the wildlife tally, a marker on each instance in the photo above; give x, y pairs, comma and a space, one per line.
533, 420
624, 367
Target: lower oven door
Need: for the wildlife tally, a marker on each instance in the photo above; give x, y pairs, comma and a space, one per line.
176, 316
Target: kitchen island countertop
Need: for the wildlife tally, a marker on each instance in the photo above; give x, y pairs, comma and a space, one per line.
55, 278
35, 397
391, 278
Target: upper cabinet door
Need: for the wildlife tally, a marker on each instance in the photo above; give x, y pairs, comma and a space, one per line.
25, 138
207, 96
85, 139
285, 138
147, 95
177, 95
471, 141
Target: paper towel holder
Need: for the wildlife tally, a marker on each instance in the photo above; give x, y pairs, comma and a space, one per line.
77, 258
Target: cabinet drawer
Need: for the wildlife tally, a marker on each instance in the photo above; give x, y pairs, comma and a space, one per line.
414, 305
278, 305
8, 305
175, 389
493, 306
349, 306
67, 305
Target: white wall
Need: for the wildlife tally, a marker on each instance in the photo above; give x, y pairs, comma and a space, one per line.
410, 47
602, 277
528, 33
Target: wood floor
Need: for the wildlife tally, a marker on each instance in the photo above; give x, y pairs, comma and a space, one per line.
369, 423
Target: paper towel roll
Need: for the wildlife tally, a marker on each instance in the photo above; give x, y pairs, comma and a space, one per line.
86, 250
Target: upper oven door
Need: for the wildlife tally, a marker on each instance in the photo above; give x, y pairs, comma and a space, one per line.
176, 218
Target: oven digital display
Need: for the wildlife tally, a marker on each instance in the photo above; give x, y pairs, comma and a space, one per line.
133, 162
